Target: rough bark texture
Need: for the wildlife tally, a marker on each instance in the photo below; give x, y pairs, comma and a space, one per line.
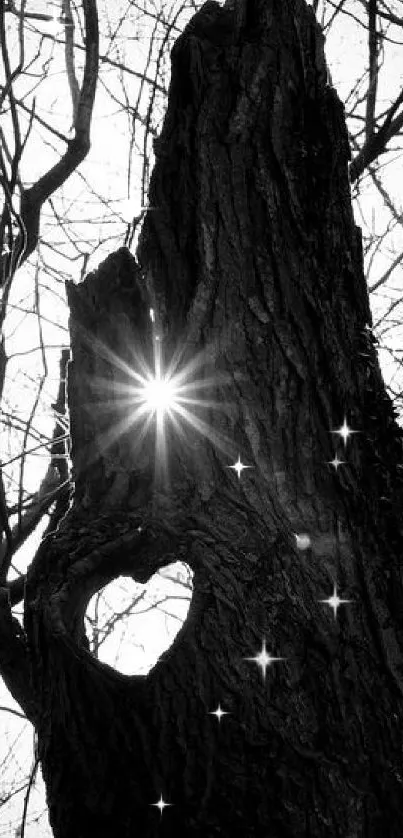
253, 264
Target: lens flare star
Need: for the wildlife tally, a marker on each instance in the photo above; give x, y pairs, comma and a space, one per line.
219, 713
239, 467
263, 659
344, 431
161, 805
336, 463
335, 602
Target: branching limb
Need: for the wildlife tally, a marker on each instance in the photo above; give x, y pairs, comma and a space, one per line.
23, 14
36, 118
14, 658
50, 490
32, 199
53, 491
377, 143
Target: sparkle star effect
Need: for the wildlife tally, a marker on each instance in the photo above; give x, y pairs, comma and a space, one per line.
334, 602
344, 431
219, 713
263, 659
336, 462
161, 805
239, 467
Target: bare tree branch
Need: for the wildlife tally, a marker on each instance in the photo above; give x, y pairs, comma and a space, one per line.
54, 489
377, 142
105, 59
32, 199
372, 70
14, 660
12, 711
69, 56
31, 782
39, 119
388, 15
23, 14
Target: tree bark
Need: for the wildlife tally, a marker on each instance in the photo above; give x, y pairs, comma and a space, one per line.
252, 264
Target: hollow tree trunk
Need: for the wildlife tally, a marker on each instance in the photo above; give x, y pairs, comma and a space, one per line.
253, 266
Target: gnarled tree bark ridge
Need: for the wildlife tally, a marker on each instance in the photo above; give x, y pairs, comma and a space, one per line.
252, 263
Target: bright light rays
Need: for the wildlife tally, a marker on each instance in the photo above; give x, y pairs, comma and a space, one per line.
159, 394
155, 398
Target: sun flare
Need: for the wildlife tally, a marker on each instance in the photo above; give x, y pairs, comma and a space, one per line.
164, 394
159, 394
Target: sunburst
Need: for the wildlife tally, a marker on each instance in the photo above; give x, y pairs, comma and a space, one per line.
158, 395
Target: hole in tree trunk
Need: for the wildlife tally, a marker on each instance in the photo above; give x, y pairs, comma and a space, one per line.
129, 625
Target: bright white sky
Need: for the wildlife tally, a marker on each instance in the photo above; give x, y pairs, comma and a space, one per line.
111, 177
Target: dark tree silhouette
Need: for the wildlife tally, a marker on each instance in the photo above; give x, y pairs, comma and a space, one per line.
252, 264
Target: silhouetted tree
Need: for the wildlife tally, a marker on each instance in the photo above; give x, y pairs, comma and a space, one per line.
252, 265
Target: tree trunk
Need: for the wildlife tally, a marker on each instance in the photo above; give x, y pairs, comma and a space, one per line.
252, 265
